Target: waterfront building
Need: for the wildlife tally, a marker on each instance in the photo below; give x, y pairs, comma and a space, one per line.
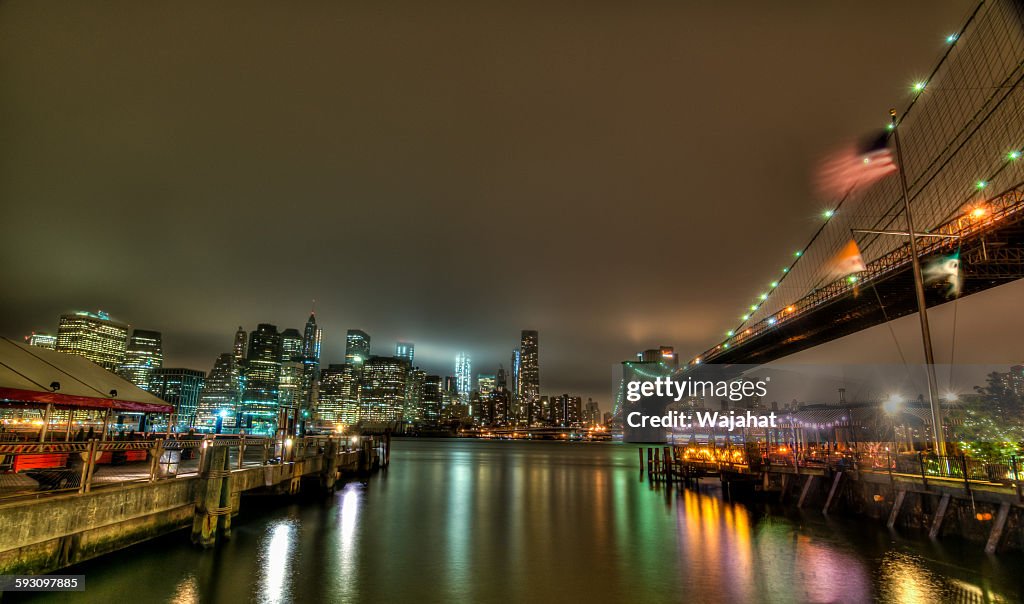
406, 351
463, 377
528, 381
221, 394
357, 347
181, 388
240, 344
43, 340
565, 410
143, 355
592, 414
432, 400
94, 336
413, 412
262, 380
339, 396
382, 390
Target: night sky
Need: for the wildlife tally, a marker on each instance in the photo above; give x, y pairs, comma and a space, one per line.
614, 175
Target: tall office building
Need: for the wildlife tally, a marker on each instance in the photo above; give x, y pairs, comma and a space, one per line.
143, 355
181, 388
485, 384
93, 336
463, 377
240, 344
592, 414
565, 410
291, 345
499, 402
413, 413
406, 351
433, 389
529, 366
382, 390
289, 385
310, 368
357, 346
262, 380
42, 340
515, 371
339, 396
222, 391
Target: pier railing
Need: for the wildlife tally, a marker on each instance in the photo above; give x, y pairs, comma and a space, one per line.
38, 469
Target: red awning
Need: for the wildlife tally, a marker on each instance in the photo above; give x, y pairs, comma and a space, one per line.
27, 373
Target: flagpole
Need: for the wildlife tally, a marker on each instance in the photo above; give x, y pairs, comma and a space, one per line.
938, 434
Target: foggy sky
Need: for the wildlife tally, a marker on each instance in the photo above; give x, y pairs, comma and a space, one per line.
615, 175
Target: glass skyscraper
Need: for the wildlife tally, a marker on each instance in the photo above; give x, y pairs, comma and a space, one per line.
143, 356
357, 346
262, 380
181, 388
463, 377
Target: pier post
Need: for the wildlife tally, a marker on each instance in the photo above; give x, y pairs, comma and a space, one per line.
807, 489
832, 491
329, 474
896, 505
213, 499
939, 515
997, 528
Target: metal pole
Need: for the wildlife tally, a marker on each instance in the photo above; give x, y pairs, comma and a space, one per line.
938, 434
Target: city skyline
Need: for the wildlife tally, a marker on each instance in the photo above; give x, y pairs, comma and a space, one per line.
620, 136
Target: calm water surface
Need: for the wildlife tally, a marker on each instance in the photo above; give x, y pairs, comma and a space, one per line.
479, 521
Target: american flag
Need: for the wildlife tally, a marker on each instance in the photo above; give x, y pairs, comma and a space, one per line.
856, 167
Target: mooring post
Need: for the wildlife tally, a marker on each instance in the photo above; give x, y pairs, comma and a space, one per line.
213, 497
939, 515
640, 450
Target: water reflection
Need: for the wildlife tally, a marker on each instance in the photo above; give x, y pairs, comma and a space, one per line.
274, 563
501, 522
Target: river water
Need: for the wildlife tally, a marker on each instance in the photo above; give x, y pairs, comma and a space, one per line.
484, 521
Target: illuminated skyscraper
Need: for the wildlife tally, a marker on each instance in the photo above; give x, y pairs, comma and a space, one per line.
485, 384
310, 369
528, 382
433, 389
357, 346
291, 345
43, 340
221, 394
339, 396
413, 413
143, 355
262, 379
463, 377
382, 390
93, 336
240, 344
181, 388
565, 410
405, 350
592, 414
289, 385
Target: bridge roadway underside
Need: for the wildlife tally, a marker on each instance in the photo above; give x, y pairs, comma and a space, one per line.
46, 534
986, 262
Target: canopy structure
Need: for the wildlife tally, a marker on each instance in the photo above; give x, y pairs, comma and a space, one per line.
31, 376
